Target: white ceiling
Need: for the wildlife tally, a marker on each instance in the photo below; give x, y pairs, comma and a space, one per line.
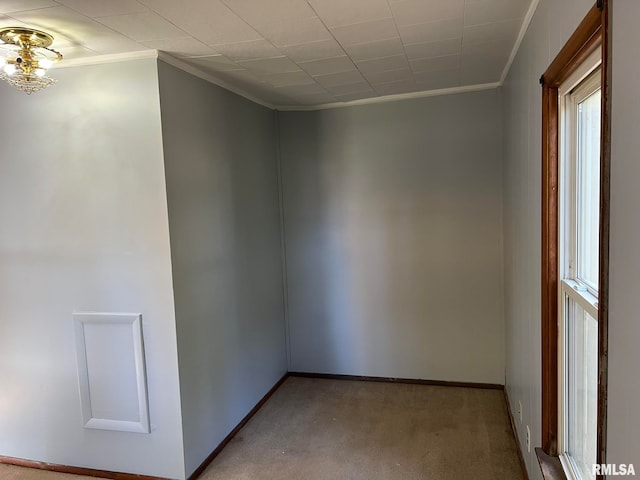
295, 52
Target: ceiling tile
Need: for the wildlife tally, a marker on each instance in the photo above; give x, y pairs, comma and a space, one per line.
309, 89
289, 79
271, 65
365, 32
142, 26
438, 80
294, 33
182, 46
383, 64
71, 29
478, 12
328, 65
396, 88
8, 6
102, 8
313, 50
343, 78
335, 13
411, 12
389, 76
448, 62
505, 32
350, 97
259, 12
214, 62
350, 88
251, 50
209, 21
432, 31
434, 49
371, 50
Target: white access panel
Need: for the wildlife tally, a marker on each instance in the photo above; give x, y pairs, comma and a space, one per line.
111, 371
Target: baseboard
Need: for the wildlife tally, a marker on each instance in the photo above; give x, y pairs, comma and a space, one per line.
203, 466
515, 435
89, 472
411, 381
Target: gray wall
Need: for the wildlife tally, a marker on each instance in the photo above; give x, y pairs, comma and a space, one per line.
84, 228
393, 220
624, 327
553, 23
220, 159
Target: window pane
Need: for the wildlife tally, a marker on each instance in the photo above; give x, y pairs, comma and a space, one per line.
582, 392
588, 208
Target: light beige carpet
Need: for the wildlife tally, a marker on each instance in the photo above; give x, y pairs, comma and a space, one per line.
313, 429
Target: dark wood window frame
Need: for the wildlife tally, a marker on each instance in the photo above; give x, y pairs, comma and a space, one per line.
592, 33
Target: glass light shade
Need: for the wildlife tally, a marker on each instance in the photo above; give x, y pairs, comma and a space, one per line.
9, 69
45, 63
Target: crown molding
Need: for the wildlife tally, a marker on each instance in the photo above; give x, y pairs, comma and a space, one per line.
390, 98
516, 46
100, 59
196, 72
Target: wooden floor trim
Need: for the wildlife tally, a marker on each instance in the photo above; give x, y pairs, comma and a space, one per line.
411, 381
203, 466
89, 472
515, 435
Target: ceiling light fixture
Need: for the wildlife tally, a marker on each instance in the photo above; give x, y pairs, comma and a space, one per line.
28, 57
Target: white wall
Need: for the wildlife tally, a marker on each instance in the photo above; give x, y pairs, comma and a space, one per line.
624, 325
553, 23
393, 220
221, 169
84, 228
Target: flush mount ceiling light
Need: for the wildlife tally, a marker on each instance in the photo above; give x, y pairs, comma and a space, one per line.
27, 57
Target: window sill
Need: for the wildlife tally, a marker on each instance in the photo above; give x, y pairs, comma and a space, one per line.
550, 466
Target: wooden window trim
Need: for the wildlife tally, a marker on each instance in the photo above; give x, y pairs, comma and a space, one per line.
593, 32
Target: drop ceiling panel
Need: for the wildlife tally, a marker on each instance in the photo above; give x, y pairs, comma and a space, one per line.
294, 33
336, 79
270, 11
432, 31
210, 21
478, 12
328, 65
439, 48
289, 79
365, 32
411, 12
336, 13
102, 8
295, 51
448, 62
379, 49
313, 50
9, 6
383, 64
252, 50
271, 65
389, 76
142, 26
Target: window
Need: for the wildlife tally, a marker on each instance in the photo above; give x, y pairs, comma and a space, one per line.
575, 252
580, 102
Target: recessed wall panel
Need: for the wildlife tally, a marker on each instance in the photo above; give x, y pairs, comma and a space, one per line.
111, 371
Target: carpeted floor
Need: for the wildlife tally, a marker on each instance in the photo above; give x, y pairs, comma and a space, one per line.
335, 429
315, 429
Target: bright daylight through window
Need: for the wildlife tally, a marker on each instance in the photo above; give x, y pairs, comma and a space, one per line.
580, 105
